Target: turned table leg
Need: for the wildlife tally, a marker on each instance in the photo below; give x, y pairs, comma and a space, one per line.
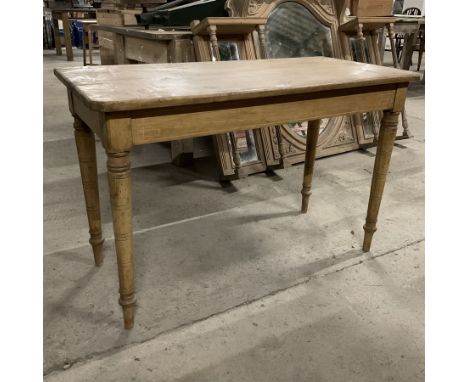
311, 147
86, 147
388, 129
235, 154
214, 42
262, 39
118, 169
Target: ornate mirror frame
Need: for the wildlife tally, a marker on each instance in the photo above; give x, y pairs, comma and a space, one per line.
341, 134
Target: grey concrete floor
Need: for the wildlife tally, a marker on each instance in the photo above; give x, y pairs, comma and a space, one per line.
232, 283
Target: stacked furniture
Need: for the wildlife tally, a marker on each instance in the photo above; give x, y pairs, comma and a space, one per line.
273, 29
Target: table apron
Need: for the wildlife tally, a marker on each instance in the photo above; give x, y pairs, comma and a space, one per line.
160, 128
182, 122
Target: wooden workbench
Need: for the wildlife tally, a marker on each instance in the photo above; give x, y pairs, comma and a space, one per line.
66, 15
141, 104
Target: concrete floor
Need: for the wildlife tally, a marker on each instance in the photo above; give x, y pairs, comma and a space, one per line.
232, 283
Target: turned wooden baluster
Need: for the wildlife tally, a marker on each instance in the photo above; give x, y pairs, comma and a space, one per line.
388, 129
261, 37
214, 42
86, 147
313, 129
362, 42
281, 145
235, 153
118, 169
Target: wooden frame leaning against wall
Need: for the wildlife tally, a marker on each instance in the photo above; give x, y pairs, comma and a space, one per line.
285, 145
230, 39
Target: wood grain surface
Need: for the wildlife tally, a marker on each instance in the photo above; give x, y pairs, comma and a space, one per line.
132, 87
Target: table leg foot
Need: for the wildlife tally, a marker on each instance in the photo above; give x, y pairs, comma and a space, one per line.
388, 129
97, 242
118, 169
368, 234
128, 309
305, 199
311, 147
86, 148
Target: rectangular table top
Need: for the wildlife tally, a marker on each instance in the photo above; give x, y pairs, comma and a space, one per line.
136, 87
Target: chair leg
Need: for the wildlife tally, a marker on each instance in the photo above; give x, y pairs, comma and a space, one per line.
421, 52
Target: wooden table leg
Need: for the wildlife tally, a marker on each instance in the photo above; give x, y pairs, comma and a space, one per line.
118, 166
313, 129
67, 34
388, 129
83, 43
86, 147
90, 44
58, 40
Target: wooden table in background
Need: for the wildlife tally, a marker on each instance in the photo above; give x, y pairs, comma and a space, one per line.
141, 104
65, 15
